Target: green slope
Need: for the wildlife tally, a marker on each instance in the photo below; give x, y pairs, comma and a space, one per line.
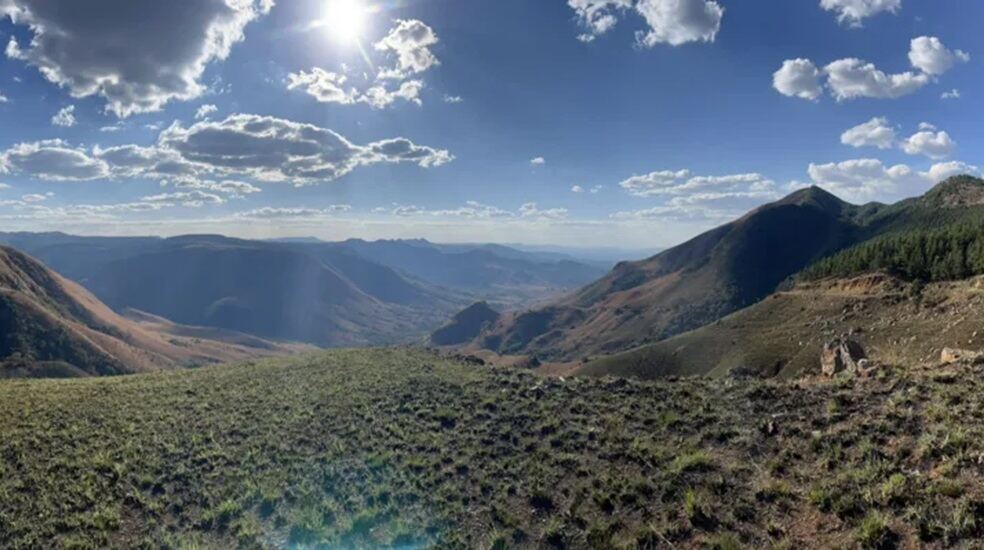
400, 448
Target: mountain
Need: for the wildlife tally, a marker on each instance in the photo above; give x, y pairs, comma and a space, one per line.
328, 297
332, 294
718, 272
50, 326
465, 325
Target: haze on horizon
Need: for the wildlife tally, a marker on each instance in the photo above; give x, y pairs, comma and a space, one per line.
628, 123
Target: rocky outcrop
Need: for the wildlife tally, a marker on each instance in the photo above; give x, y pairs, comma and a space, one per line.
842, 355
952, 355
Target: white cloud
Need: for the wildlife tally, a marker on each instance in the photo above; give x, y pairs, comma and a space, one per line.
53, 160
597, 16
668, 182
138, 55
943, 170
3, 98
853, 78
531, 210
36, 197
275, 149
862, 180
875, 133
242, 145
935, 145
798, 78
952, 94
65, 117
853, 12
577, 189
453, 98
928, 54
673, 22
205, 110
379, 96
538, 161
325, 86
677, 22
272, 213
411, 41
190, 199
231, 188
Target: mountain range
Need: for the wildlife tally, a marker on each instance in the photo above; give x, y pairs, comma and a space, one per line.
352, 293
717, 273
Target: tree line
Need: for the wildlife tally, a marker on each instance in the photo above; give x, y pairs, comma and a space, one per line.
949, 253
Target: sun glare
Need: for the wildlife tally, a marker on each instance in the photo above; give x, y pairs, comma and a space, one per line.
346, 20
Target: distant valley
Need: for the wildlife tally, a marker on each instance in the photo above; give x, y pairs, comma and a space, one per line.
353, 293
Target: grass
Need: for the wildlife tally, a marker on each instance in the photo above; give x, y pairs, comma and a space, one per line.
400, 448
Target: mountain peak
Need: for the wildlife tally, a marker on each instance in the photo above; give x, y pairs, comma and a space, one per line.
963, 190
814, 196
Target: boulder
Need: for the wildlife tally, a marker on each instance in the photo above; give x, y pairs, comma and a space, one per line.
952, 355
840, 355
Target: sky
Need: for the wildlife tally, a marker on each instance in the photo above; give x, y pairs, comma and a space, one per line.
622, 123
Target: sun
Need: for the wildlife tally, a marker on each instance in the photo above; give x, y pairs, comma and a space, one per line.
346, 20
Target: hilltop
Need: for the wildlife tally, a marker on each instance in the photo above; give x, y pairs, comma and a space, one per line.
397, 448
50, 326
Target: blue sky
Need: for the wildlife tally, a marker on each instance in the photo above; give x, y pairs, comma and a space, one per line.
633, 123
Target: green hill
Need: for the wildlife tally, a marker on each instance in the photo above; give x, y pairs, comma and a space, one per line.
395, 448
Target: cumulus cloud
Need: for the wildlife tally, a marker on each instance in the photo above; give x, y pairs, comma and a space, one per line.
3, 98
65, 117
798, 78
935, 145
380, 96
577, 189
205, 110
538, 161
199, 156
852, 78
410, 40
453, 98
673, 22
677, 22
597, 16
929, 55
853, 12
138, 55
325, 86
275, 149
476, 211
53, 160
877, 132
272, 213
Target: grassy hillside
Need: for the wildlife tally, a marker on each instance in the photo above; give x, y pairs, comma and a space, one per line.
897, 322
390, 447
